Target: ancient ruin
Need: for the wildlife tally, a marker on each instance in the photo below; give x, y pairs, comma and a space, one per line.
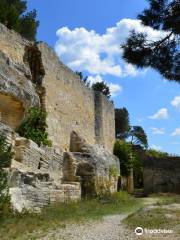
80, 124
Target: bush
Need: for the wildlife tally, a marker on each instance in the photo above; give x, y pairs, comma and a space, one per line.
157, 154
34, 127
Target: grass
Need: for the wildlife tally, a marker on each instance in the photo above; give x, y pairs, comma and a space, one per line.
21, 226
153, 218
160, 216
166, 199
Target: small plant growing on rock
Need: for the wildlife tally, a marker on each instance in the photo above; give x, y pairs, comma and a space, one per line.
113, 172
34, 127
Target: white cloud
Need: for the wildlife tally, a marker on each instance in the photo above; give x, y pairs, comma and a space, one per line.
84, 50
156, 147
176, 102
157, 130
176, 132
161, 114
114, 88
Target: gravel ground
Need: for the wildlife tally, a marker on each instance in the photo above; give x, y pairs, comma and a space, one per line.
110, 228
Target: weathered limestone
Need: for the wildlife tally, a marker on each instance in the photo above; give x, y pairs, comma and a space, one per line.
96, 166
32, 75
71, 106
40, 176
30, 190
17, 92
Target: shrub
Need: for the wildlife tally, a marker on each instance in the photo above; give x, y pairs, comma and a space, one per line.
155, 153
34, 127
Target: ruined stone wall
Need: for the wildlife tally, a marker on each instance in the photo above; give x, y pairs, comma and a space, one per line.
31, 75
162, 175
69, 104
108, 123
104, 121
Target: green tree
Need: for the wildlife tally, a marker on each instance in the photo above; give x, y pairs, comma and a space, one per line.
14, 16
162, 55
121, 122
34, 127
102, 87
138, 136
123, 151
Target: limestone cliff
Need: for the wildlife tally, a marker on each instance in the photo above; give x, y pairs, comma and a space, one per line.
80, 124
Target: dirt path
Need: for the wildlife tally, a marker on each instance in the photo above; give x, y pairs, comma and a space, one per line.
110, 228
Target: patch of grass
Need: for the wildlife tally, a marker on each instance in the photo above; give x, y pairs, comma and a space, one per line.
21, 226
155, 218
166, 199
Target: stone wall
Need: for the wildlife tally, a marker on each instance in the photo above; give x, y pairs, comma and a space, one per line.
108, 123
32, 75
71, 106
162, 175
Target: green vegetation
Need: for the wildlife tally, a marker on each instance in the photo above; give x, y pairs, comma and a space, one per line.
138, 136
123, 151
134, 134
14, 16
130, 156
102, 87
162, 215
5, 160
155, 153
113, 172
154, 218
34, 127
121, 122
161, 54
166, 199
58, 215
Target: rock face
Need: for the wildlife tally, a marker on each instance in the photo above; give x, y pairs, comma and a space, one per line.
17, 92
32, 75
40, 176
97, 168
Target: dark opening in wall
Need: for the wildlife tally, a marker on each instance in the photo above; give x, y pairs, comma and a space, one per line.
33, 58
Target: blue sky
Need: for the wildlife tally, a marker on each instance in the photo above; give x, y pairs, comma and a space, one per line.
87, 34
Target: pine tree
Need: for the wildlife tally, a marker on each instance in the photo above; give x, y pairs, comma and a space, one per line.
162, 55
13, 15
102, 87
